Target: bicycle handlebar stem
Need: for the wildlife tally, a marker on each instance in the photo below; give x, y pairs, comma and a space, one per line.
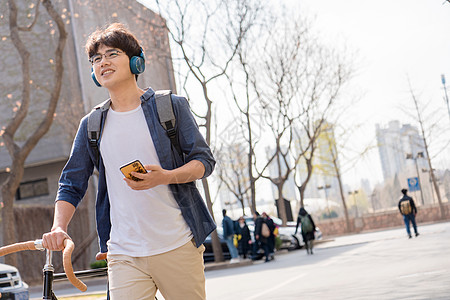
48, 276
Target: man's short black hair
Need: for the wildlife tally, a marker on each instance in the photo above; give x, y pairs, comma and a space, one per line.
115, 35
224, 212
404, 191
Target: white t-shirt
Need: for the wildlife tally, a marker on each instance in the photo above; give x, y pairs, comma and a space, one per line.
145, 222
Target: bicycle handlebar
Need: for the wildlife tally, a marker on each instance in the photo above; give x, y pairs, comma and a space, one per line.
67, 257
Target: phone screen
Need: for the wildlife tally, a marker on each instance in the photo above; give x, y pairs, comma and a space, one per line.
134, 166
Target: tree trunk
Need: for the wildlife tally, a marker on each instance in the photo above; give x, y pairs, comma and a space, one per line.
281, 206
217, 249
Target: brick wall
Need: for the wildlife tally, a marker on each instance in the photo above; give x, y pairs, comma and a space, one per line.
387, 219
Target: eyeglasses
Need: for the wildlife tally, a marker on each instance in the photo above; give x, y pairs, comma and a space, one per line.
110, 54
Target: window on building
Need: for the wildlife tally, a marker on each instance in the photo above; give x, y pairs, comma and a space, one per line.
32, 189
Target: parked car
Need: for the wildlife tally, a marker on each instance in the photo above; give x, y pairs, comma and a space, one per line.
208, 255
11, 285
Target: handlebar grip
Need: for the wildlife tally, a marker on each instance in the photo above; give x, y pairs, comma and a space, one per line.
17, 247
101, 256
67, 264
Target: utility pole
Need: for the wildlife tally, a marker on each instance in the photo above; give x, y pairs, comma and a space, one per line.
445, 91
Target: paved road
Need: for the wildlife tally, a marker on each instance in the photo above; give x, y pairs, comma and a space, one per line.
378, 265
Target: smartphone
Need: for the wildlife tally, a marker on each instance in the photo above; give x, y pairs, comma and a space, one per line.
135, 166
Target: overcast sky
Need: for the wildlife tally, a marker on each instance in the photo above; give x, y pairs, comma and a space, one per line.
394, 41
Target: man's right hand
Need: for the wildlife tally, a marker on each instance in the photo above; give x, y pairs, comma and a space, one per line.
54, 240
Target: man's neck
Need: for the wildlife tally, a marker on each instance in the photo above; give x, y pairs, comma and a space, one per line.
125, 97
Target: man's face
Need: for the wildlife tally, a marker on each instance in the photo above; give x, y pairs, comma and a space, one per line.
111, 66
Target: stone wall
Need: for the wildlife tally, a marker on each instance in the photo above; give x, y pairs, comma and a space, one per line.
376, 221
32, 222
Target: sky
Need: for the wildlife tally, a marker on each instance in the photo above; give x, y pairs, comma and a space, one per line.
394, 42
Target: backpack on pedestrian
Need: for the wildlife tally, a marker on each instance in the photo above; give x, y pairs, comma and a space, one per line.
307, 225
265, 231
405, 207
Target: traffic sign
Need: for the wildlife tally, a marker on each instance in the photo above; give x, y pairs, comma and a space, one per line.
413, 184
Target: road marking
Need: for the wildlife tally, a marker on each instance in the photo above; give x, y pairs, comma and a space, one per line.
276, 287
424, 274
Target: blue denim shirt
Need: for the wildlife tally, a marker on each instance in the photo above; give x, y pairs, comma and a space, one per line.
73, 182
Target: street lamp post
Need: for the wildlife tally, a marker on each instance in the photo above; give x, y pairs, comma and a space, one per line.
445, 91
419, 155
325, 187
354, 201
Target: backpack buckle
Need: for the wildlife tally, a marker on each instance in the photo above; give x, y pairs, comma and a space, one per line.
171, 132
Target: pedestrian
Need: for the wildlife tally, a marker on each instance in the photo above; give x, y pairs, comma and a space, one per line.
245, 239
151, 229
228, 235
408, 210
308, 229
261, 236
271, 238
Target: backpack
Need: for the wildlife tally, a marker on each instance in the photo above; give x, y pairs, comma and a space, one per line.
405, 207
265, 231
307, 225
166, 117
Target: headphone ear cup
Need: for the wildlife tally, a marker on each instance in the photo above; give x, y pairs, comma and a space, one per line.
137, 65
94, 78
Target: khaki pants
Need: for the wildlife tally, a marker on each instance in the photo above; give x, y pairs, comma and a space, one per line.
178, 274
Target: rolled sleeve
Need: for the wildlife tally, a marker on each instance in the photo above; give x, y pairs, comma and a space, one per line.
191, 140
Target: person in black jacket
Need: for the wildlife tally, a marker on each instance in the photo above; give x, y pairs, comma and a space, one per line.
307, 227
260, 240
408, 210
271, 238
245, 238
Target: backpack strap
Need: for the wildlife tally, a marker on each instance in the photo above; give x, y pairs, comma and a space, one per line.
167, 118
94, 125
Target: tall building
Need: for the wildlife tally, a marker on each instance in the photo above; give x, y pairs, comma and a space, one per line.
400, 148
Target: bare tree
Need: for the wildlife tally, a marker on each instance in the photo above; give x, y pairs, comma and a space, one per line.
421, 122
20, 151
231, 169
206, 53
333, 167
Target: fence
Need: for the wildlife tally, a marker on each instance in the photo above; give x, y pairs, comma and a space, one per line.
387, 219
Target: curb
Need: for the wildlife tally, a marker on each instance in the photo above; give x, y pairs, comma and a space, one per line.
227, 265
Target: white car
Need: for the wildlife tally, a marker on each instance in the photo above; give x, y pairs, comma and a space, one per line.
11, 285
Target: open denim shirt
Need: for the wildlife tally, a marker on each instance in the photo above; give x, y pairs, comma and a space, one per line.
80, 166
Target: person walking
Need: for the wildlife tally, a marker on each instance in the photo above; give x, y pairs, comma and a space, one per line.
408, 210
262, 234
308, 229
271, 238
245, 240
228, 235
151, 230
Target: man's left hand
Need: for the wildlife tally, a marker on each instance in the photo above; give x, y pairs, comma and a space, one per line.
155, 176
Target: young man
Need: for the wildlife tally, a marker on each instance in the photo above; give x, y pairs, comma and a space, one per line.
152, 229
408, 210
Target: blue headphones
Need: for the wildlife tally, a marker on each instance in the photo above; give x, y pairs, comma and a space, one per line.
137, 66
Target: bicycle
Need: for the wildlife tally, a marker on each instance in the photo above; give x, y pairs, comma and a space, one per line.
48, 267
